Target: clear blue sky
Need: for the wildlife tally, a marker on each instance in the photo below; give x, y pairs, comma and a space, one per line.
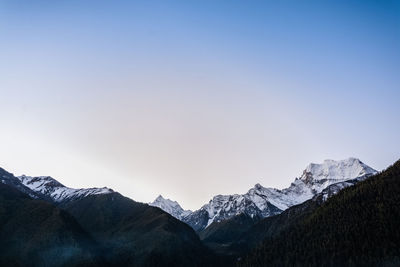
195, 98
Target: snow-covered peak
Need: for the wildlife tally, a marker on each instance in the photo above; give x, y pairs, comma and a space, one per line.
261, 201
170, 206
336, 170
263, 196
48, 186
319, 176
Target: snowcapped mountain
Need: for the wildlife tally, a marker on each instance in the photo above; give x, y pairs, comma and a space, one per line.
326, 178
171, 207
223, 207
262, 202
58, 193
9, 179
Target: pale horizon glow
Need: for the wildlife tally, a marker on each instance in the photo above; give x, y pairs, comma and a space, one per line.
194, 99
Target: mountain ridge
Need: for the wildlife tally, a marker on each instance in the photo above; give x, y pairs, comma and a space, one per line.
119, 230
356, 227
48, 186
257, 202
263, 202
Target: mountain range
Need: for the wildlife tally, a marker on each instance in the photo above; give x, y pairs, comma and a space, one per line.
262, 202
316, 221
356, 227
43, 223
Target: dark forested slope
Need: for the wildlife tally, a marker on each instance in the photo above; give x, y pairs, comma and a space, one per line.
137, 234
357, 227
36, 233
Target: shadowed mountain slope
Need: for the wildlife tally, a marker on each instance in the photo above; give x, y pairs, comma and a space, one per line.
36, 233
357, 227
74, 226
134, 234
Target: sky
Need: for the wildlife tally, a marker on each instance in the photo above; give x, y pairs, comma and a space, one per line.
190, 99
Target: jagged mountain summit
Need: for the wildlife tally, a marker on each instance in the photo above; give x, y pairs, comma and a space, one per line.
57, 192
260, 202
171, 207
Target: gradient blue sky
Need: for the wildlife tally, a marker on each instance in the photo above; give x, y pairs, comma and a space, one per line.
195, 98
